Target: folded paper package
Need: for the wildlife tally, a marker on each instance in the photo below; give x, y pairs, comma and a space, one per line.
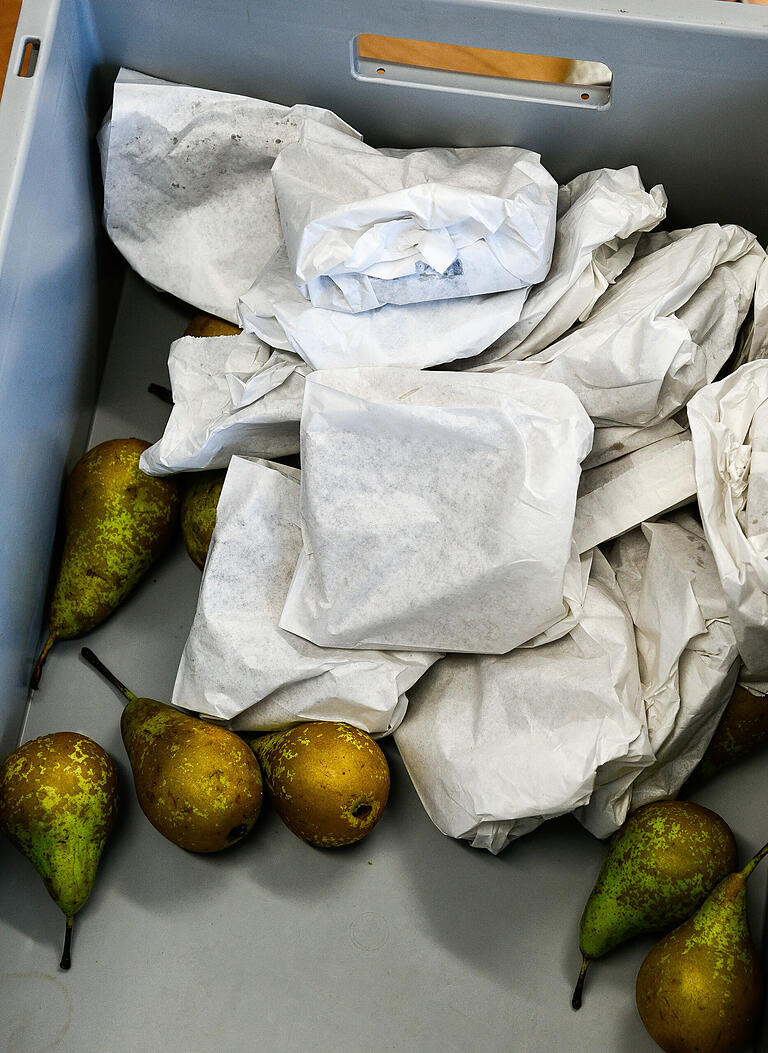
231, 395
188, 196
687, 651
437, 509
729, 427
496, 745
237, 664
663, 331
366, 227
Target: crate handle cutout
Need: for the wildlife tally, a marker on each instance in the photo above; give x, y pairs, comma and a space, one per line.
29, 57
481, 71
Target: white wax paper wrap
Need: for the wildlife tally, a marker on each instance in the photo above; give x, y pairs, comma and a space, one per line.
686, 647
496, 745
611, 443
617, 496
237, 664
365, 227
231, 394
599, 217
661, 332
188, 196
729, 426
754, 341
437, 509
419, 334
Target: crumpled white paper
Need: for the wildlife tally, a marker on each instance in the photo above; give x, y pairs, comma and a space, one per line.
687, 651
729, 426
188, 195
231, 395
496, 745
237, 664
622, 493
661, 332
437, 509
418, 334
611, 443
366, 227
754, 344
600, 216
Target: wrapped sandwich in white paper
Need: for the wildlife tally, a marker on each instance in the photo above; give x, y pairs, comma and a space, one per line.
619, 495
418, 334
231, 395
437, 509
729, 427
496, 745
661, 332
600, 216
366, 227
237, 664
686, 647
188, 196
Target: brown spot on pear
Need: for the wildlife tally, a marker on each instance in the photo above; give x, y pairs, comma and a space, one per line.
329, 780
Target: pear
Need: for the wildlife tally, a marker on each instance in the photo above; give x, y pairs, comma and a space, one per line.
198, 513
58, 802
700, 989
209, 325
117, 522
743, 728
329, 780
197, 783
660, 865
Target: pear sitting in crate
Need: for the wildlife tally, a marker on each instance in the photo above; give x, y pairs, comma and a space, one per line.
117, 522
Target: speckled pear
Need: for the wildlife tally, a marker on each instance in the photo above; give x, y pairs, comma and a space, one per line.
329, 781
58, 802
742, 730
700, 989
197, 783
660, 866
198, 513
117, 522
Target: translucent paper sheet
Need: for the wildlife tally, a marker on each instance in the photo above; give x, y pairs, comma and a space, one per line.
237, 664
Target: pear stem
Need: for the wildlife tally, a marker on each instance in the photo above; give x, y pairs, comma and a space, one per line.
755, 860
90, 657
37, 672
66, 954
576, 999
161, 392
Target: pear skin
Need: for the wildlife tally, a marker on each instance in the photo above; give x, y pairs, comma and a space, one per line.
117, 522
197, 783
700, 989
58, 802
660, 866
329, 781
742, 730
209, 325
198, 513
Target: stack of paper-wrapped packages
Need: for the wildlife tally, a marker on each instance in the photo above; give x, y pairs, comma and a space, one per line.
505, 398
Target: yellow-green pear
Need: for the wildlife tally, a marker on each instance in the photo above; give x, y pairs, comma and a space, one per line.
58, 802
117, 521
700, 989
198, 512
197, 783
660, 865
209, 325
329, 780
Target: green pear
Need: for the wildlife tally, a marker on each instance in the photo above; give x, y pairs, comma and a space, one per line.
700, 989
660, 865
198, 513
117, 521
743, 728
197, 783
58, 802
329, 780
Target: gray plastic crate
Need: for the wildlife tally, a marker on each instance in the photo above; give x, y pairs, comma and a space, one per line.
407, 941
